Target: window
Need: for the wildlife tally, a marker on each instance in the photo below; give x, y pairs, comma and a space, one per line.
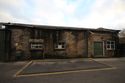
110, 45
60, 45
36, 46
3, 27
36, 34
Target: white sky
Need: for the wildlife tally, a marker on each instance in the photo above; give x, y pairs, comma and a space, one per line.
76, 13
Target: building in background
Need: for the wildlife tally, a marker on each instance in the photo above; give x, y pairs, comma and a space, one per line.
26, 41
122, 46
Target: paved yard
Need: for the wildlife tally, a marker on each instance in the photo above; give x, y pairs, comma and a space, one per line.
75, 71
43, 67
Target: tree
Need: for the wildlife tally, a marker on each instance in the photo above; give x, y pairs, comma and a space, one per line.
122, 33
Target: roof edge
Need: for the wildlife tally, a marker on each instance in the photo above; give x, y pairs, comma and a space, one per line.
56, 27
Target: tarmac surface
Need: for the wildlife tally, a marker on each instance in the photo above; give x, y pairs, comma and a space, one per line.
102, 70
56, 66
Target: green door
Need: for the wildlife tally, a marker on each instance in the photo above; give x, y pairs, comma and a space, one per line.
98, 49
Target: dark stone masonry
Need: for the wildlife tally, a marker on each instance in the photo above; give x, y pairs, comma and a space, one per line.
25, 42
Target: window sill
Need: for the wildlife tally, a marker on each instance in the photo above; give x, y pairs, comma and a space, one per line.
59, 48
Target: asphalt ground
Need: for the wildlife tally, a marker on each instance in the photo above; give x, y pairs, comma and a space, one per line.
45, 67
102, 70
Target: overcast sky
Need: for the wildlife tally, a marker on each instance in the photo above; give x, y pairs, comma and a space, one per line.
76, 13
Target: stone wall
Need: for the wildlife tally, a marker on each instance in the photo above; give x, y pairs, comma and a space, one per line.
48, 43
101, 37
20, 44
75, 43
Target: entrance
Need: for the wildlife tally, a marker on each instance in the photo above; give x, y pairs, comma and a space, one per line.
98, 49
4, 45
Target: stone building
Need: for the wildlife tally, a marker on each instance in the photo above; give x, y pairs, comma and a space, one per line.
26, 41
122, 46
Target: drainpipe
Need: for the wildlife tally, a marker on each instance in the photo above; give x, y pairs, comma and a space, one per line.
87, 36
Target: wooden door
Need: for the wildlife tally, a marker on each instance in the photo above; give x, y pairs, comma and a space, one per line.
98, 49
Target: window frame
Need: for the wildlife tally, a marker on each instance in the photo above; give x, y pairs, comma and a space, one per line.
60, 45
36, 46
36, 33
110, 45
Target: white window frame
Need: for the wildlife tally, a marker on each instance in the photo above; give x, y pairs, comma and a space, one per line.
60, 45
2, 26
36, 46
109, 45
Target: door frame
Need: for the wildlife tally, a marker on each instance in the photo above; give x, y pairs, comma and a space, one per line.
103, 48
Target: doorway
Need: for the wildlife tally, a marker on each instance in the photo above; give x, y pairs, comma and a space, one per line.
98, 49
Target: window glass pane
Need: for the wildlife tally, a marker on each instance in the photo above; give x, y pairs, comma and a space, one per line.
108, 46
37, 46
112, 42
56, 46
40, 46
59, 43
108, 42
63, 46
63, 43
112, 46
